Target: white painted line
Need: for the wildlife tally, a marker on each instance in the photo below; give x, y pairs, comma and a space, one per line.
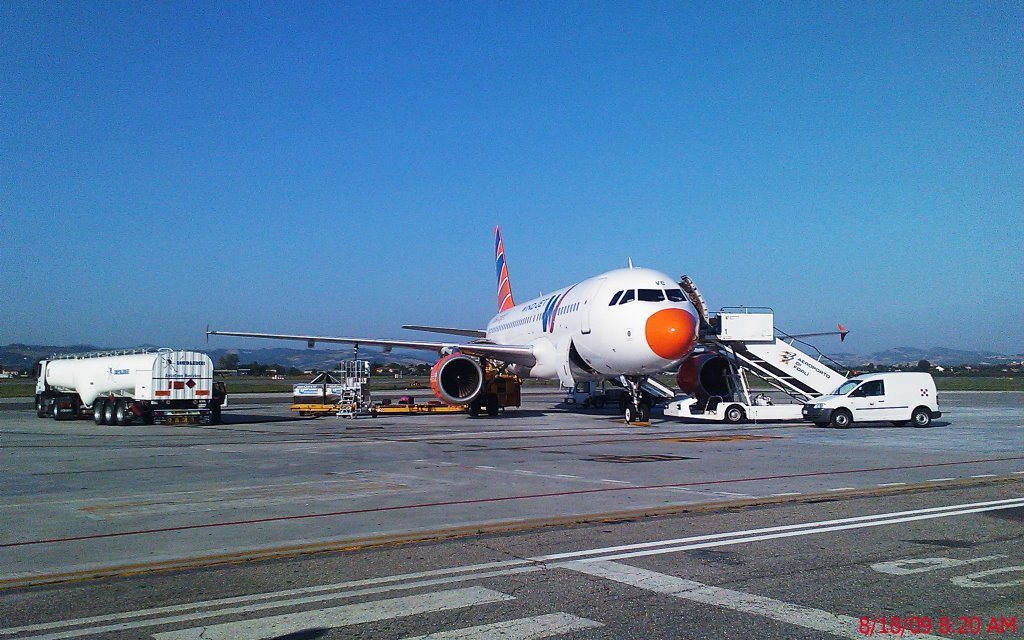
892, 484
801, 532
940, 479
526, 471
627, 482
1017, 472
985, 475
730, 493
798, 615
565, 475
484, 466
782, 495
319, 593
277, 626
844, 489
545, 626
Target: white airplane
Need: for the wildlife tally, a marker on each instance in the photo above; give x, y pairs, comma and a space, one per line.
624, 325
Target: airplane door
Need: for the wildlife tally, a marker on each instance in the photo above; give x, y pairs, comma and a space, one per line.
589, 302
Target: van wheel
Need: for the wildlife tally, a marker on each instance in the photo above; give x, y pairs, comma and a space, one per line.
734, 414
841, 418
98, 409
921, 417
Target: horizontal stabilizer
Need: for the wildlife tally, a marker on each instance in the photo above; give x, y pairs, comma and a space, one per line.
472, 333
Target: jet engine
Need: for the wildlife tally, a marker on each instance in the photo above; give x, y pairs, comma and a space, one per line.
457, 379
706, 376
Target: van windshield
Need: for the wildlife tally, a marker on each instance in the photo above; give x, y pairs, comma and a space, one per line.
846, 387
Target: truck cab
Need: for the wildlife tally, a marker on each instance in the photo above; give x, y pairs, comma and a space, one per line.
899, 397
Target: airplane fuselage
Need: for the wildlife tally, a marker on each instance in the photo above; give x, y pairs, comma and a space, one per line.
623, 322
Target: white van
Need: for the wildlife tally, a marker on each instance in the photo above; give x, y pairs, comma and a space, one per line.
900, 398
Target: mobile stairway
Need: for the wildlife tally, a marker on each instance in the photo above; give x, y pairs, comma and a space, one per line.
739, 341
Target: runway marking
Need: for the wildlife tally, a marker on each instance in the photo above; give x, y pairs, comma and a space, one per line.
985, 475
844, 489
730, 493
345, 615
892, 484
545, 626
794, 614
782, 495
484, 466
319, 593
940, 480
449, 503
1017, 471
615, 481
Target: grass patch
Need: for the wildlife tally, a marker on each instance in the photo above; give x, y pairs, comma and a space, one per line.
979, 383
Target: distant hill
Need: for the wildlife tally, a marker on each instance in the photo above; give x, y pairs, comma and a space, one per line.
936, 355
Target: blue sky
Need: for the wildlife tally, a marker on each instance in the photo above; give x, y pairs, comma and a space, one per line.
337, 168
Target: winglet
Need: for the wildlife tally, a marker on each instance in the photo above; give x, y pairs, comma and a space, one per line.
842, 332
505, 300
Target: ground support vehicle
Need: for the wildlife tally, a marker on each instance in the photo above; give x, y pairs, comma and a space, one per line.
740, 341
120, 387
903, 398
345, 390
501, 390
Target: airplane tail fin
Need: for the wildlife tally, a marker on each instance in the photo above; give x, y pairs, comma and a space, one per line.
505, 300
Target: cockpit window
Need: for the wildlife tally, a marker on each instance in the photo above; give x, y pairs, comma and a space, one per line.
628, 296
651, 295
675, 295
615, 298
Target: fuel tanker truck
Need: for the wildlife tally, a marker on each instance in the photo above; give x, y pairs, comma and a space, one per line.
117, 388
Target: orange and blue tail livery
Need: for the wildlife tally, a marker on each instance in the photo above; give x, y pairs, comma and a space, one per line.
505, 300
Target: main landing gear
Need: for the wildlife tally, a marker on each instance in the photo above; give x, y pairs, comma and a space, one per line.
636, 405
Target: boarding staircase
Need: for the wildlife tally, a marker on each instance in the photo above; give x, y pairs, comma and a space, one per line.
748, 338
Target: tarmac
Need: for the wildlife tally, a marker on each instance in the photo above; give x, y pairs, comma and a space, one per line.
82, 501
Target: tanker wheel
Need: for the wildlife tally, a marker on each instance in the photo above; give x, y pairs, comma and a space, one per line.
215, 414
474, 409
40, 407
98, 407
492, 405
110, 412
147, 417
122, 415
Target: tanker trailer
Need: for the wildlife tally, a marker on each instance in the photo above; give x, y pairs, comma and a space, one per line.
165, 386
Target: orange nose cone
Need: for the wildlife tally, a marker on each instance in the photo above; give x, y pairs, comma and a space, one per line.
670, 333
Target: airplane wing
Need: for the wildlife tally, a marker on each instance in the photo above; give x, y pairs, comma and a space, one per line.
472, 333
511, 353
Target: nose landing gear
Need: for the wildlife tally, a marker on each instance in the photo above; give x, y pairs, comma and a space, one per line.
636, 405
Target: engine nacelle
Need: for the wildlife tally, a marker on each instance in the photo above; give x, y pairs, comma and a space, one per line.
457, 379
705, 376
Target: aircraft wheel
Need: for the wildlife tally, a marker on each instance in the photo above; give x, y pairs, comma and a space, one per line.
474, 409
110, 412
734, 414
631, 413
841, 418
599, 402
98, 408
492, 405
645, 412
921, 417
